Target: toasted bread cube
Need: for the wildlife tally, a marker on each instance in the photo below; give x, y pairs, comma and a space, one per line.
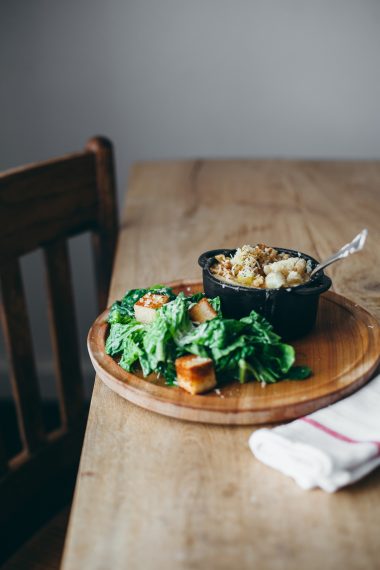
202, 311
195, 374
146, 307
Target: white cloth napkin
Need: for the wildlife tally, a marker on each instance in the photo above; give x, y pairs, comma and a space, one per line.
330, 448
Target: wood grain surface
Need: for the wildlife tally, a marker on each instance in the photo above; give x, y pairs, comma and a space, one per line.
158, 493
342, 351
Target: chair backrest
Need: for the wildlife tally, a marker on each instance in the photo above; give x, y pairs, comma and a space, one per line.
41, 206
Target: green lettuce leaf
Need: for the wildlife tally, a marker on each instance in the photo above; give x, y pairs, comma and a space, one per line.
243, 349
122, 310
299, 373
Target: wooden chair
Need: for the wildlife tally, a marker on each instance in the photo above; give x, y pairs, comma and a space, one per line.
41, 206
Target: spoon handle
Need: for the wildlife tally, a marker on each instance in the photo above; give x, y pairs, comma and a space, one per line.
355, 245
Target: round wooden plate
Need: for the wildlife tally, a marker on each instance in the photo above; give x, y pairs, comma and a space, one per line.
342, 350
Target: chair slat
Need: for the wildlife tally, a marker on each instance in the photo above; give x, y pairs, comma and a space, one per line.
41, 206
64, 332
42, 202
20, 351
3, 458
105, 236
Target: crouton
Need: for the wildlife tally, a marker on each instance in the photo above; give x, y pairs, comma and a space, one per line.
202, 311
195, 374
146, 307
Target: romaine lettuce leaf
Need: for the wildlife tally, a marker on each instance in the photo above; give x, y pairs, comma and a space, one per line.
245, 348
121, 310
242, 349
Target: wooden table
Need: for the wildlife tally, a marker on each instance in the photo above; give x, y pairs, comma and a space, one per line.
158, 493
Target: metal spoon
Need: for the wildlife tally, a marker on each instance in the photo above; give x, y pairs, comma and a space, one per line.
355, 245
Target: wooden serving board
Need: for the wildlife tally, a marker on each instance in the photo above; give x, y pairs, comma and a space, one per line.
343, 351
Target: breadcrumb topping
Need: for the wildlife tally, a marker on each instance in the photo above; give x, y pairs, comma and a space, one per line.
262, 267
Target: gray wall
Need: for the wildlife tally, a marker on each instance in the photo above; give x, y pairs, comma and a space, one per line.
175, 78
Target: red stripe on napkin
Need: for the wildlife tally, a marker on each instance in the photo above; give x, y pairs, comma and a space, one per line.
336, 434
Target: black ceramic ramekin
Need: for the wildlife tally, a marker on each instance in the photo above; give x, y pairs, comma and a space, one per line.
292, 311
